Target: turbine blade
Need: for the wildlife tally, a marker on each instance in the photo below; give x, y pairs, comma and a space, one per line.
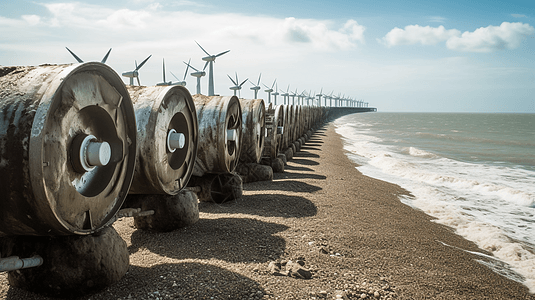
206, 64
287, 89
75, 57
142, 63
136, 63
232, 80
138, 83
243, 82
106, 57
321, 91
218, 55
175, 76
187, 68
274, 83
267, 87
251, 82
190, 66
202, 49
259, 79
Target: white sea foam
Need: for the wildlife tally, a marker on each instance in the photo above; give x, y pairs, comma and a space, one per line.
491, 205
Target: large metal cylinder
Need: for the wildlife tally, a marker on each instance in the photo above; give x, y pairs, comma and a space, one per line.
67, 148
167, 133
220, 134
274, 131
253, 130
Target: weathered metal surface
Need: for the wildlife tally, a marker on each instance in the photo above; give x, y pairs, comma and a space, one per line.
253, 130
160, 112
45, 112
274, 130
220, 134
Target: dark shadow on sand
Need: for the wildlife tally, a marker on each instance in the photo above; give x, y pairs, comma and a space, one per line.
299, 169
306, 162
290, 175
283, 185
304, 152
224, 239
185, 280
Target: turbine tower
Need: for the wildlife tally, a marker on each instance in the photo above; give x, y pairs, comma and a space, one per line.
293, 97
197, 74
236, 87
164, 82
319, 96
210, 59
285, 95
81, 61
135, 73
275, 94
269, 90
256, 87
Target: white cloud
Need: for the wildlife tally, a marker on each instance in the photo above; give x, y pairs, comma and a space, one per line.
484, 39
32, 19
414, 34
491, 38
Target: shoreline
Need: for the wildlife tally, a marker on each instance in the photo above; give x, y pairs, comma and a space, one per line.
319, 207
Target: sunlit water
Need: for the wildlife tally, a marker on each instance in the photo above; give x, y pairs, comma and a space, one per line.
473, 172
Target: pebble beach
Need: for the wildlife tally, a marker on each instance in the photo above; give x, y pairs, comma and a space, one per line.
319, 230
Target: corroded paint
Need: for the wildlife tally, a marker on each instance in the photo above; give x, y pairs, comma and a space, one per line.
42, 110
216, 115
253, 130
158, 110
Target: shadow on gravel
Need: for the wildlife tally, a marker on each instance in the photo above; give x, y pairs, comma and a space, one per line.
186, 280
229, 239
305, 153
286, 185
299, 169
265, 205
288, 175
306, 162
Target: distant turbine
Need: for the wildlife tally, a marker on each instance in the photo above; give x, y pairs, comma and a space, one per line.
293, 97
210, 59
135, 73
269, 90
81, 61
236, 87
319, 97
275, 94
164, 82
256, 87
183, 81
285, 95
197, 74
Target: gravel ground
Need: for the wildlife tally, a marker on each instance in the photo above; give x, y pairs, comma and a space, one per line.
350, 231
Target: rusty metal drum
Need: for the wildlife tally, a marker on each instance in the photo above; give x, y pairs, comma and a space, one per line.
253, 130
67, 148
220, 133
167, 134
274, 131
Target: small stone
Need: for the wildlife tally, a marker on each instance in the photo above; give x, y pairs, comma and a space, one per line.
363, 296
376, 294
323, 293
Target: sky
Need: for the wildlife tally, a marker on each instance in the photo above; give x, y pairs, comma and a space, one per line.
398, 56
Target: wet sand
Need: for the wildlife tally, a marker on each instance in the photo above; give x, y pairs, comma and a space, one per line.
351, 231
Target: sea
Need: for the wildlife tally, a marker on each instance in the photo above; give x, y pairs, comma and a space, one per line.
473, 172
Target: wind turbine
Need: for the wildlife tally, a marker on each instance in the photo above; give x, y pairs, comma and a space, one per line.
236, 86
275, 94
285, 95
135, 73
81, 61
293, 97
269, 90
300, 97
197, 74
183, 81
210, 59
256, 87
319, 96
164, 82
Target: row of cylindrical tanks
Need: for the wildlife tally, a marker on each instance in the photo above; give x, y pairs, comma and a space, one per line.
75, 141
77, 146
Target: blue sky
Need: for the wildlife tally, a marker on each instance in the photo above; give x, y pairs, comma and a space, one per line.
450, 56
